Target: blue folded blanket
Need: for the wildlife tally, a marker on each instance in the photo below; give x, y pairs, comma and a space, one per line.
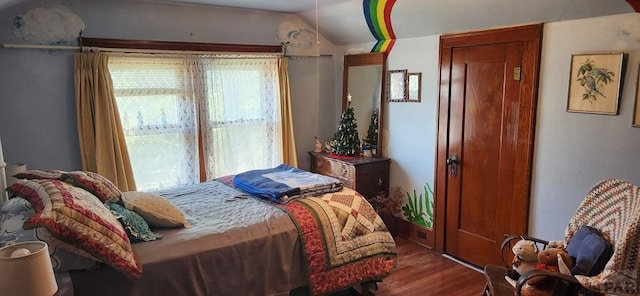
285, 183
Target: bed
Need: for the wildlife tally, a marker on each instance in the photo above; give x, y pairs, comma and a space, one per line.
234, 244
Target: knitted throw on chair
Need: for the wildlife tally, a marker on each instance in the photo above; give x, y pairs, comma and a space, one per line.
613, 207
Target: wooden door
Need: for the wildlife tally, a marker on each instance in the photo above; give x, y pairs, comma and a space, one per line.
485, 127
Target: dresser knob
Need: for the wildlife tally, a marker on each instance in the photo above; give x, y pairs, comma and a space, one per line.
318, 164
343, 171
379, 181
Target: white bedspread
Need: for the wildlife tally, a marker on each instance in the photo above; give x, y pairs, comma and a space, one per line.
213, 207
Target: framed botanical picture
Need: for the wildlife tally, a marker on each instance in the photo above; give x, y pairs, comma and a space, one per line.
397, 88
595, 82
636, 105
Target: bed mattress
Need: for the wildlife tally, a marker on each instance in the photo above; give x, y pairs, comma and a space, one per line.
222, 253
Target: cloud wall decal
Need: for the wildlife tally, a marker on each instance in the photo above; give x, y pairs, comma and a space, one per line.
49, 26
298, 35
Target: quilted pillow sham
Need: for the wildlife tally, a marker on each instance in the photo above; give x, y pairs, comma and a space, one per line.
77, 217
155, 209
64, 257
95, 183
40, 174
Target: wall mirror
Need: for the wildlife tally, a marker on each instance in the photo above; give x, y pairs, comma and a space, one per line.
397, 86
363, 78
415, 87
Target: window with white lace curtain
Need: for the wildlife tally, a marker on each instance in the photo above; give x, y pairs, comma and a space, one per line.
184, 115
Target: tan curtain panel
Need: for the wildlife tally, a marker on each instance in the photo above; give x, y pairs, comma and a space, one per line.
102, 143
289, 155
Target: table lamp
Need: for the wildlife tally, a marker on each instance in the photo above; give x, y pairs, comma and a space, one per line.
25, 270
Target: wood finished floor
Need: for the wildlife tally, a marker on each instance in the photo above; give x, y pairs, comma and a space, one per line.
422, 272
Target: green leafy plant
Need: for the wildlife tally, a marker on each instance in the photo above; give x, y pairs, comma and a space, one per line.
593, 78
419, 208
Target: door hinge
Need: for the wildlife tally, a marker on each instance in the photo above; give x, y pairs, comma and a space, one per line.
517, 73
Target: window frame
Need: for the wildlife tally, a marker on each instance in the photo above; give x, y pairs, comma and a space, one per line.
122, 45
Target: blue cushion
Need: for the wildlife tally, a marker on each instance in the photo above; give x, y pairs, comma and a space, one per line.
589, 251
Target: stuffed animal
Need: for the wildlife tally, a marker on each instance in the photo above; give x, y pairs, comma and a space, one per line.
554, 260
525, 258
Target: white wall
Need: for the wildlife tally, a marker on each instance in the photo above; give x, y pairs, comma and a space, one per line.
573, 151
37, 101
410, 128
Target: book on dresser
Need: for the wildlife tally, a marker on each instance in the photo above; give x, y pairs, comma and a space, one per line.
367, 175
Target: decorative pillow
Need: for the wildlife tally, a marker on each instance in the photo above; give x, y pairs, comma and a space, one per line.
155, 209
589, 250
75, 216
64, 257
95, 183
137, 229
40, 174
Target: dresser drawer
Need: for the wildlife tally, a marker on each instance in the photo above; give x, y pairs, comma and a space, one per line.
333, 167
368, 176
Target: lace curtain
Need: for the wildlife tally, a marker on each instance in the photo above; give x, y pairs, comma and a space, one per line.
187, 116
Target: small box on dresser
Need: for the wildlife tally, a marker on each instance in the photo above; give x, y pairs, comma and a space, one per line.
367, 175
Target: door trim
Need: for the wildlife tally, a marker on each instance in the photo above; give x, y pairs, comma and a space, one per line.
531, 36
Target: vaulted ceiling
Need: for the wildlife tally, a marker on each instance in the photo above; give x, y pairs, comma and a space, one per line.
344, 22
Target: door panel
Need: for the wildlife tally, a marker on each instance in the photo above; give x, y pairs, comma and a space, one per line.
477, 124
486, 118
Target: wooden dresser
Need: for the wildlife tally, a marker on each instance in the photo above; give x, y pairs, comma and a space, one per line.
367, 175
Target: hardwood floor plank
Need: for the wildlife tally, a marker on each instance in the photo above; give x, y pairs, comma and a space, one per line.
422, 272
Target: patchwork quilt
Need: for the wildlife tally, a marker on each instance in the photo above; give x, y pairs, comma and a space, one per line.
344, 240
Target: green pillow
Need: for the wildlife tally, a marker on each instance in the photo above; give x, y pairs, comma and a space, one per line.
136, 227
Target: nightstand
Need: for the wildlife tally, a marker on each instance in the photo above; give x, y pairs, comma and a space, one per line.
367, 175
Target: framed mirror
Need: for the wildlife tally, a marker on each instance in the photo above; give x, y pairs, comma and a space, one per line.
397, 86
363, 79
415, 87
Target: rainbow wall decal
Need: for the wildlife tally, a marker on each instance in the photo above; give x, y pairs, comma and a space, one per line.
378, 16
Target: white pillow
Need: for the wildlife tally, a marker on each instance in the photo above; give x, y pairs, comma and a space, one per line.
155, 209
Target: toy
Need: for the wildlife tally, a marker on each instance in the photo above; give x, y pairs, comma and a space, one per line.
318, 146
525, 258
554, 260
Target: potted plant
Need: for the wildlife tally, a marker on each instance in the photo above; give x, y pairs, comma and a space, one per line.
387, 205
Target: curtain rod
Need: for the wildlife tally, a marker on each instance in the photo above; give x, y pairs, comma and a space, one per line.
67, 47
38, 46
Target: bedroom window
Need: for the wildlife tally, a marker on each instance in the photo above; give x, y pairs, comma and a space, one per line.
189, 119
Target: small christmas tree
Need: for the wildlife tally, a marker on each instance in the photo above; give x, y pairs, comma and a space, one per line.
372, 132
346, 141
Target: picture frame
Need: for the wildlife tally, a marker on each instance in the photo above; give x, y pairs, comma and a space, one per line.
595, 81
415, 87
636, 106
397, 86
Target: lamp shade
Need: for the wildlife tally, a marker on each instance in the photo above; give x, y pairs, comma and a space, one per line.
28, 275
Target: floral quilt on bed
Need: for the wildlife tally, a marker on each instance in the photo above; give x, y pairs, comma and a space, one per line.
344, 240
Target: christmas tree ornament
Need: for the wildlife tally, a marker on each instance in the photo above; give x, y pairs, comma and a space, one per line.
346, 141
372, 132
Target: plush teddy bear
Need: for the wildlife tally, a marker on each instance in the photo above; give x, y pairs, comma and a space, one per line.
525, 258
554, 260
